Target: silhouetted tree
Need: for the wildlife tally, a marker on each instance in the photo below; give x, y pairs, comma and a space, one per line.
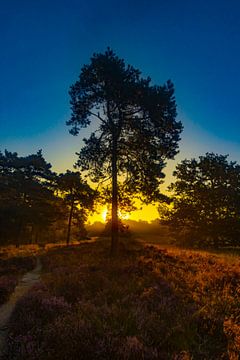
78, 195
126, 203
26, 196
206, 201
136, 130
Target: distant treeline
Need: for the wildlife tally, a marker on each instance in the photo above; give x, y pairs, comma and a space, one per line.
152, 231
37, 205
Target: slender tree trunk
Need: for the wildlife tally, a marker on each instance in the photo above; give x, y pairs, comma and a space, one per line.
1, 231
114, 243
36, 235
70, 221
19, 233
20, 224
31, 235
40, 231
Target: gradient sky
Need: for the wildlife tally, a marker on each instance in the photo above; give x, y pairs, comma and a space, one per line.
45, 43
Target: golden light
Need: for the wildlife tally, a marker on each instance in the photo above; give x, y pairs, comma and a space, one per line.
122, 215
146, 213
104, 215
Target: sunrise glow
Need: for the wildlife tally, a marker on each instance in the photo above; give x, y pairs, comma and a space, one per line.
122, 215
104, 214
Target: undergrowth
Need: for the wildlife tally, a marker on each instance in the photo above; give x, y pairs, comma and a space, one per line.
147, 303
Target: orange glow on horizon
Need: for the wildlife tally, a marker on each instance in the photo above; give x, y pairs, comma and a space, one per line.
104, 215
146, 213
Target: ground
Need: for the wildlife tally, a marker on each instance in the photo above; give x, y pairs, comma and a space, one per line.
148, 303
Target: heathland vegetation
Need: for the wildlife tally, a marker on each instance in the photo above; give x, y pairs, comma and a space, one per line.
149, 303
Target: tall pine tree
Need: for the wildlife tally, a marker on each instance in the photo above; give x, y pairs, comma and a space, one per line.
134, 130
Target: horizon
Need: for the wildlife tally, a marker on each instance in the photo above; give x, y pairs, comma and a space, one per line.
193, 44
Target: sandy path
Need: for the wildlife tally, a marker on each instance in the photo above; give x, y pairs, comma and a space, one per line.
28, 280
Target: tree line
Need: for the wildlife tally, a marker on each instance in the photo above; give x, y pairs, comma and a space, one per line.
36, 204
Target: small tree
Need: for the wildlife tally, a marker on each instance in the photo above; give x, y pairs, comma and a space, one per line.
77, 194
136, 128
206, 201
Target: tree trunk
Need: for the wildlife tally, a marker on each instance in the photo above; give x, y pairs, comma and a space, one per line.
19, 233
114, 242
1, 231
70, 221
36, 235
31, 234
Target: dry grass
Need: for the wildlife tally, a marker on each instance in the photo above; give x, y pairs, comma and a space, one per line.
149, 303
13, 263
23, 251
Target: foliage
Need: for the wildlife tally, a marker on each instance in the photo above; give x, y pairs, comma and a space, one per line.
78, 196
126, 202
35, 202
206, 202
26, 197
149, 304
136, 128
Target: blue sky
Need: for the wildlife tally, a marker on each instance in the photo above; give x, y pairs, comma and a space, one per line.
45, 43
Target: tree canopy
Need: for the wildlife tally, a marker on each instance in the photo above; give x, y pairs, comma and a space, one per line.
206, 201
78, 195
134, 128
27, 199
35, 201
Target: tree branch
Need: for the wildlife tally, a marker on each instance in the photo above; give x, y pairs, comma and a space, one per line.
98, 116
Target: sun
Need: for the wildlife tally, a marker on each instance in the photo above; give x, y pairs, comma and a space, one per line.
104, 215
122, 216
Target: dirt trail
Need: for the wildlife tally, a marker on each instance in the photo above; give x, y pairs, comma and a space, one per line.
28, 280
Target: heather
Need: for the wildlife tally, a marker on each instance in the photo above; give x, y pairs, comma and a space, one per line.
149, 303
13, 263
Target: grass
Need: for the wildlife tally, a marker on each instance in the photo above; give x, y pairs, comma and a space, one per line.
149, 303
13, 263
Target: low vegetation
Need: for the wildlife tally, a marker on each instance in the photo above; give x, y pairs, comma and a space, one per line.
149, 303
13, 263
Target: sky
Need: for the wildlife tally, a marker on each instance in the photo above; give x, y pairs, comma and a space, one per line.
44, 44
